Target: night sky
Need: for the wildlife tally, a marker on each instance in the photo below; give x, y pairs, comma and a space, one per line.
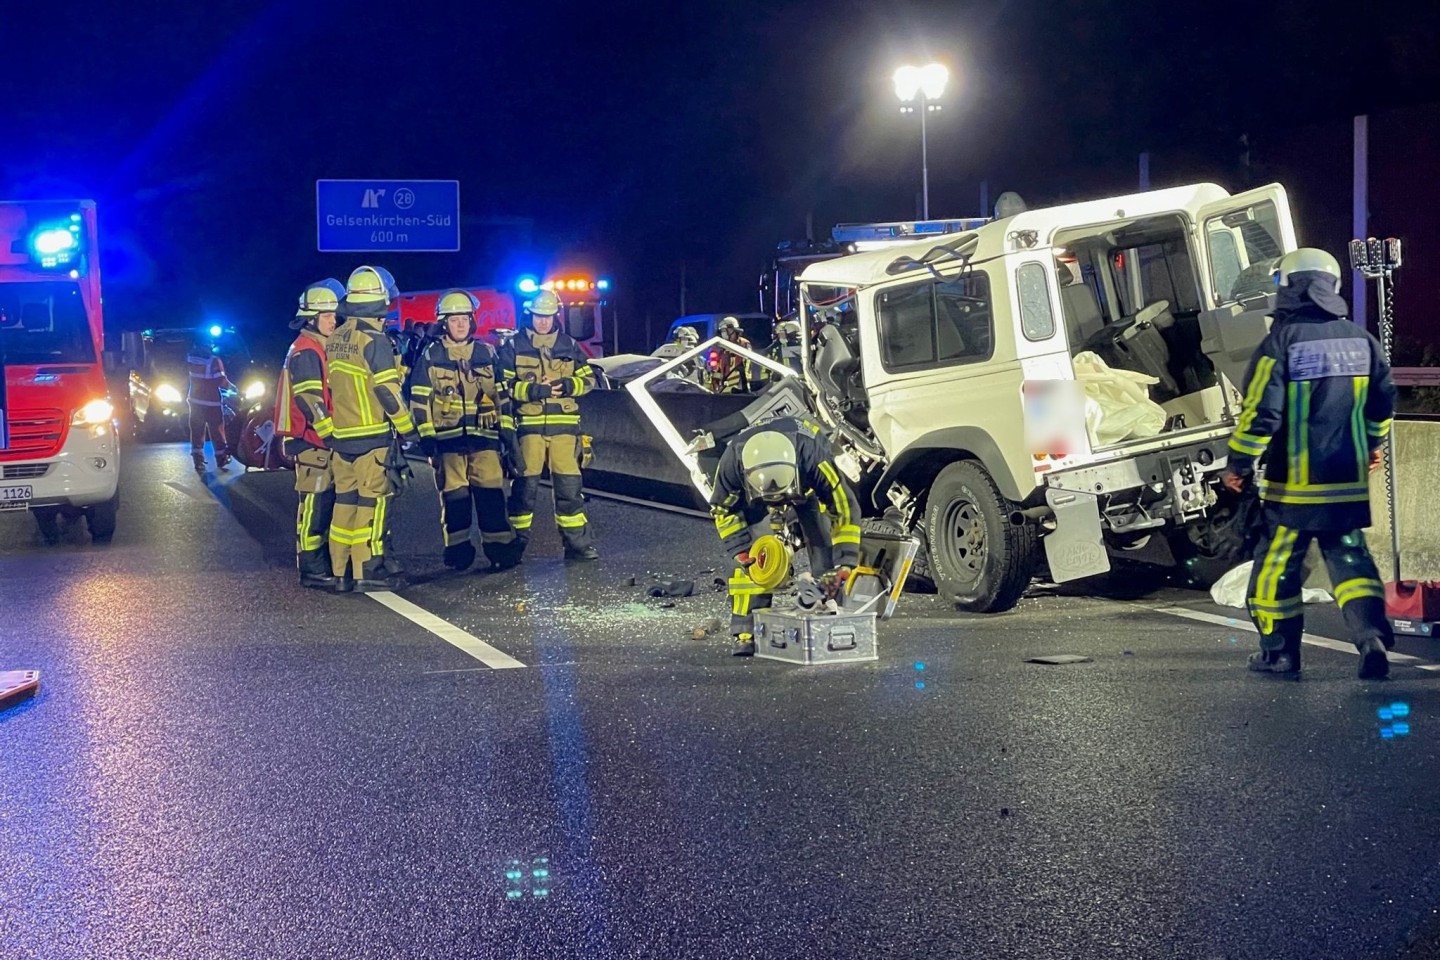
639, 137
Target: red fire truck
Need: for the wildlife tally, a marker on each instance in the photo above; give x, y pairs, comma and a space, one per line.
588, 315
59, 442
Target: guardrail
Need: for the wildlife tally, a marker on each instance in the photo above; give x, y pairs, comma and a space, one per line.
1416, 376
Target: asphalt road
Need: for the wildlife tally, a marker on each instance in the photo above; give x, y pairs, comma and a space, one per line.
220, 764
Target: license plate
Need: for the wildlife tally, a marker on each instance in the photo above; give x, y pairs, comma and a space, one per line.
16, 498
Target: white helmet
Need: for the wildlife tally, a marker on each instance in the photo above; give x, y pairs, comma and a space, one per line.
686, 336
771, 467
1307, 260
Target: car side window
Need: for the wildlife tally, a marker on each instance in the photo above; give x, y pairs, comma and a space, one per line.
936, 323
1037, 317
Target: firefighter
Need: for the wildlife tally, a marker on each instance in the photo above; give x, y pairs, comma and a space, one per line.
1318, 405
786, 348
302, 417
730, 373
543, 371
773, 466
684, 338
455, 405
207, 412
364, 376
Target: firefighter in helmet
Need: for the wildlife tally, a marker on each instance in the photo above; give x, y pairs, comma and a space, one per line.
786, 348
729, 372
543, 371
455, 403
1318, 404
366, 407
207, 412
775, 466
302, 418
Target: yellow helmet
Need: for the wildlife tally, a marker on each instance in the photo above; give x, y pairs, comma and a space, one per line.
545, 304
366, 285
321, 297
771, 467
456, 303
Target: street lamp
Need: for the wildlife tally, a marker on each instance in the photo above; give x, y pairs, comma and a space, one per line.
926, 85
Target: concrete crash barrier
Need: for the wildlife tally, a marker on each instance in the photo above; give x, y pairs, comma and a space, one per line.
1417, 467
630, 456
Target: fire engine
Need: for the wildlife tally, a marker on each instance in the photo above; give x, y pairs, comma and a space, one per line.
589, 308
59, 441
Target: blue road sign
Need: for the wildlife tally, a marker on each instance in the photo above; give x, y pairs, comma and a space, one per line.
410, 216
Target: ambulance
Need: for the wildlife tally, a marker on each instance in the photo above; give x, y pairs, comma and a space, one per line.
59, 440
588, 314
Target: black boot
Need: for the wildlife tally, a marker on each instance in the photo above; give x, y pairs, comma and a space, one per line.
375, 577
315, 571
584, 553
744, 645
459, 556
1285, 660
1374, 664
503, 556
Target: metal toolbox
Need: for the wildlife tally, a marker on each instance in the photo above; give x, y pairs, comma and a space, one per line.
815, 638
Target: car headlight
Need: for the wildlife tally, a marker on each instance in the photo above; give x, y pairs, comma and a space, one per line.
167, 394
254, 390
93, 414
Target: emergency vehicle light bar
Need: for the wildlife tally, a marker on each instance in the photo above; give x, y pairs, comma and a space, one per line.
902, 230
56, 244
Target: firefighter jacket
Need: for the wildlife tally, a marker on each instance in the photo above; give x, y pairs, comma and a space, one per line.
1318, 400
526, 361
819, 479
302, 399
453, 395
730, 372
364, 376
207, 379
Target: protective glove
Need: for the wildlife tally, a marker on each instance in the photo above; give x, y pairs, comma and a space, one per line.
489, 420
833, 581
563, 388
539, 391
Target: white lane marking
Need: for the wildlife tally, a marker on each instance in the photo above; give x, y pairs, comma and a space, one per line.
1243, 623
451, 634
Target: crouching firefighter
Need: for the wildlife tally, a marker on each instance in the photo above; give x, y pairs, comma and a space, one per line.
302, 417
455, 404
1318, 405
769, 468
543, 371
365, 403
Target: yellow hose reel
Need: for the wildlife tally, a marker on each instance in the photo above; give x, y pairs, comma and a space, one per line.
772, 562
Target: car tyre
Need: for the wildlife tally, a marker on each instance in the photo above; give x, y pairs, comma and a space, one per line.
979, 559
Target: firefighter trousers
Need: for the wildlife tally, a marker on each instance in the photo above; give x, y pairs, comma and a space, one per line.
562, 452
747, 596
202, 418
1278, 574
472, 487
361, 523
315, 483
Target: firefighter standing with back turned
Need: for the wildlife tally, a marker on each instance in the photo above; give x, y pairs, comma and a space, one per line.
207, 379
1318, 405
302, 417
365, 393
455, 404
773, 465
543, 370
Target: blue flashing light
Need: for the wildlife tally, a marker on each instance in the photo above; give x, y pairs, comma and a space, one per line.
1385, 713
216, 330
53, 242
528, 285
1401, 729
1400, 709
602, 284
1386, 733
919, 684
919, 665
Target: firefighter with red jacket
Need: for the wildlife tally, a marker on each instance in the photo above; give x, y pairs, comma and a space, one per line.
302, 417
207, 379
454, 402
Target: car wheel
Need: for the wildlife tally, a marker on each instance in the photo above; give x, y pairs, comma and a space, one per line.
979, 559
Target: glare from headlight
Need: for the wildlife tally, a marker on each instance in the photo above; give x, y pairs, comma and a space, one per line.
95, 412
254, 390
167, 394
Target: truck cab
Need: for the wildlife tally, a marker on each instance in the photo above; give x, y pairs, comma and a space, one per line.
59, 441
1056, 387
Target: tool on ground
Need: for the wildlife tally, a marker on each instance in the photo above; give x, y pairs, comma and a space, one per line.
18, 685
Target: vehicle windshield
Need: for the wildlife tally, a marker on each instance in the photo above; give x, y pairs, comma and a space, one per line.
167, 349
44, 322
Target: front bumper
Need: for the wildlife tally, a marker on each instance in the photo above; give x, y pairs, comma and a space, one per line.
86, 471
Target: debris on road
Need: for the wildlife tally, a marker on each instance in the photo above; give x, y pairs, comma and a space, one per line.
1058, 658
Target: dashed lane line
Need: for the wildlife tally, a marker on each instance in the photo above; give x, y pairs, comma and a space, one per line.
1243, 623
451, 634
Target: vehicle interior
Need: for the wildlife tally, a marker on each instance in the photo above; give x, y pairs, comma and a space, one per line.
1131, 295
